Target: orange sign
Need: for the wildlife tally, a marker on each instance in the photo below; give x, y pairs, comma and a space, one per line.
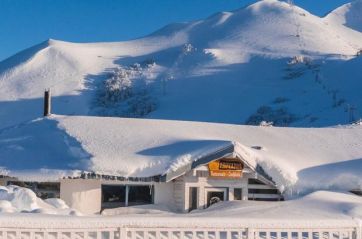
226, 168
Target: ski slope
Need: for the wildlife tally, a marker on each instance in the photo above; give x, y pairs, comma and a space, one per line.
226, 68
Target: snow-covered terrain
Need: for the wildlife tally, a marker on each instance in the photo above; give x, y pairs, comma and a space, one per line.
348, 15
14, 199
299, 160
325, 210
268, 61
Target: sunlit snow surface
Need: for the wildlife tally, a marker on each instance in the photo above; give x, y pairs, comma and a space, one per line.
298, 159
238, 63
320, 209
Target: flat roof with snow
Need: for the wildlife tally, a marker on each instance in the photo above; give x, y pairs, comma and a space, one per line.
60, 146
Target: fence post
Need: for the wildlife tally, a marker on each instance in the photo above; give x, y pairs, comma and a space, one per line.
358, 229
251, 233
359, 232
122, 233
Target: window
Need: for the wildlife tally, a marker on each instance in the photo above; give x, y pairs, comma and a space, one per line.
42, 190
113, 196
255, 181
238, 194
263, 191
202, 173
140, 195
192, 198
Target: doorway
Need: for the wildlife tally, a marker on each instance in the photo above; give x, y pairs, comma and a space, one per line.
215, 195
192, 198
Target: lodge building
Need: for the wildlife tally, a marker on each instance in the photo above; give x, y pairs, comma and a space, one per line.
220, 175
100, 163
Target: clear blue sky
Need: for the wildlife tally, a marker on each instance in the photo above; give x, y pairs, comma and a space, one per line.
24, 23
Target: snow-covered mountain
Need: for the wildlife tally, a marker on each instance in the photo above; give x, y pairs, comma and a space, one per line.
269, 61
348, 15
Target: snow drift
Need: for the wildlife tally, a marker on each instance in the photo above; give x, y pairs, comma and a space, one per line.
299, 160
14, 199
325, 210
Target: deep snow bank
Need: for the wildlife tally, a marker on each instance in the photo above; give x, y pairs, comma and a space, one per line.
14, 199
317, 205
318, 210
299, 160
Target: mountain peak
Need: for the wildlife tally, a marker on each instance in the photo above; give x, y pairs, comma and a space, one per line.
348, 14
233, 67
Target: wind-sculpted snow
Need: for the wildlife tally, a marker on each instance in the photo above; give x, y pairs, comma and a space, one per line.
15, 199
348, 15
220, 69
299, 160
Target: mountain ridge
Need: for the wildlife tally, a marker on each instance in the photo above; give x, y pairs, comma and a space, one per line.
348, 14
207, 70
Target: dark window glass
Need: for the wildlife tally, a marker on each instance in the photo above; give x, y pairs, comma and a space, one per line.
42, 190
255, 181
357, 192
113, 196
214, 197
202, 173
266, 199
139, 195
48, 186
193, 198
238, 193
263, 191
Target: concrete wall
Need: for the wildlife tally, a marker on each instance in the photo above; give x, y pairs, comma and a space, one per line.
164, 194
84, 195
180, 196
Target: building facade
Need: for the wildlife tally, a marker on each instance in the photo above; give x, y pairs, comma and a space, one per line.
219, 176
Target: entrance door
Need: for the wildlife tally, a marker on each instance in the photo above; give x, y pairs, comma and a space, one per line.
215, 195
192, 199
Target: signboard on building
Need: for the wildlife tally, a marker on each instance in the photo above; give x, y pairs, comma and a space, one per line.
226, 168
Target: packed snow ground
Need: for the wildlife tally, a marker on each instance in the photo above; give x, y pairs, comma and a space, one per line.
299, 160
233, 67
14, 199
317, 210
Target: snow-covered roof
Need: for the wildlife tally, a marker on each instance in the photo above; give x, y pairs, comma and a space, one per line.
301, 158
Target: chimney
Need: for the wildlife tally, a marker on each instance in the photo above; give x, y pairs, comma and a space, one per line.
47, 103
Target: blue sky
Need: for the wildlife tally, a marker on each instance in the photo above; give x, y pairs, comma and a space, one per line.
27, 22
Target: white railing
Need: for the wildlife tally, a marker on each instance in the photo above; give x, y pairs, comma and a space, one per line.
181, 233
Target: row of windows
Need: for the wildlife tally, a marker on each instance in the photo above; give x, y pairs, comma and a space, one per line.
43, 190
266, 199
255, 181
263, 191
121, 195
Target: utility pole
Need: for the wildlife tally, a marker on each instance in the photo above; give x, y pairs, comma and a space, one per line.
47, 103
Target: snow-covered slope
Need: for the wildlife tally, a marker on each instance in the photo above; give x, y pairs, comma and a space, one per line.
298, 159
231, 67
348, 15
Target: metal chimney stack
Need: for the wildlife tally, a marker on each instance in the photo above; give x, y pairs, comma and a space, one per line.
47, 103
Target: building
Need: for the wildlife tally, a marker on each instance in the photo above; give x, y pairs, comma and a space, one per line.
221, 175
96, 163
